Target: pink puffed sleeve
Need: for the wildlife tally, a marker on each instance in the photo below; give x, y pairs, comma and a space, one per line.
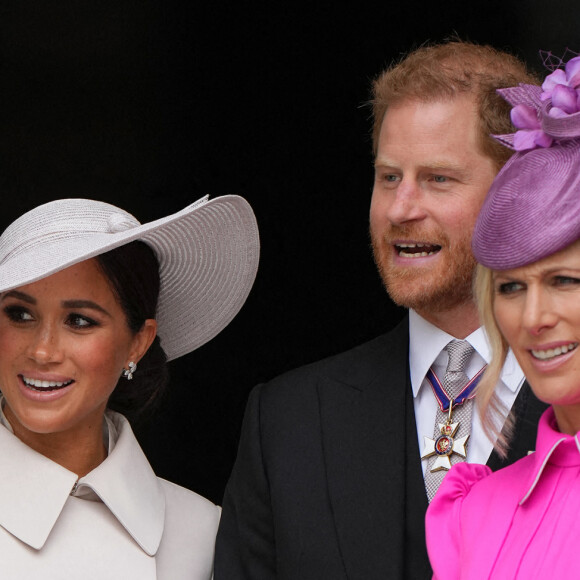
442, 522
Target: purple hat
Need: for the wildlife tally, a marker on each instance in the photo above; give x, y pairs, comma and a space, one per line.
532, 209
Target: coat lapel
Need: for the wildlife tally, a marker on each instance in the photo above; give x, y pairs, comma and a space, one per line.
527, 410
416, 564
363, 433
33, 491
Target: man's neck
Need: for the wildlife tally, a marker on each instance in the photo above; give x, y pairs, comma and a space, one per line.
459, 321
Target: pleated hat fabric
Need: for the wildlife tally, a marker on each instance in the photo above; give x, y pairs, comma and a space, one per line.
208, 255
532, 209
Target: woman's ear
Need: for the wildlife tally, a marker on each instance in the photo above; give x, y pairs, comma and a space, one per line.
143, 340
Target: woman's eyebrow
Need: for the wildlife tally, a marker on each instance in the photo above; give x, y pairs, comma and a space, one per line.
84, 304
20, 295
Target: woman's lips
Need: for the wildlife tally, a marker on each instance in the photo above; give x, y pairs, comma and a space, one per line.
549, 358
48, 389
45, 385
544, 354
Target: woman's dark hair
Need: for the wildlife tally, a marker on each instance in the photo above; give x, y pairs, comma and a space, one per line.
133, 273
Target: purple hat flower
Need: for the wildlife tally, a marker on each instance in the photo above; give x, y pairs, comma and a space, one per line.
544, 114
532, 209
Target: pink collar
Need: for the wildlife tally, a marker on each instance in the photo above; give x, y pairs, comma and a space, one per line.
548, 440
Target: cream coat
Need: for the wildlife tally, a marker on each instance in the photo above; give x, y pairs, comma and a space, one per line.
121, 521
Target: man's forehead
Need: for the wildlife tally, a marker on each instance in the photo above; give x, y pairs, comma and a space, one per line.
441, 128
464, 104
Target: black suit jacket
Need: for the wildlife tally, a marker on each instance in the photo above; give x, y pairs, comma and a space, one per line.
328, 481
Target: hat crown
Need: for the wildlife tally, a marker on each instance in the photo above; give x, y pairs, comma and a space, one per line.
532, 209
61, 220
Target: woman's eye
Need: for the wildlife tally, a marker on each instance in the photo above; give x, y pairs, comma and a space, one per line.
18, 314
79, 321
509, 287
566, 281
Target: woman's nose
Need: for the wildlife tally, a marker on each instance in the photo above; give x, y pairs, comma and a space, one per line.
538, 314
44, 347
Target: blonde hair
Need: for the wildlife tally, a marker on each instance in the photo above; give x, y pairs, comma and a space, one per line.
490, 408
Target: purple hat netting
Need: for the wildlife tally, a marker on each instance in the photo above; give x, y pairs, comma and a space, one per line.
532, 209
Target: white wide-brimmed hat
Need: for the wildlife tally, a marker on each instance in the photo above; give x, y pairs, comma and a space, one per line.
208, 257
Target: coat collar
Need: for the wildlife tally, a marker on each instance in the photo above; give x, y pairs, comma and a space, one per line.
127, 485
549, 440
34, 489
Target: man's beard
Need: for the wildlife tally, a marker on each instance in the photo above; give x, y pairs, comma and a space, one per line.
441, 288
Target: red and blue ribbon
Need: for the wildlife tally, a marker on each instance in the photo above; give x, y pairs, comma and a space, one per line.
443, 398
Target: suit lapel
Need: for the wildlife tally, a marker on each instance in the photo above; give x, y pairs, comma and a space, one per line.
527, 410
363, 432
416, 563
372, 475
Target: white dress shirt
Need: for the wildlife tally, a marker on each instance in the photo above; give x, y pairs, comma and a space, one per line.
119, 522
426, 344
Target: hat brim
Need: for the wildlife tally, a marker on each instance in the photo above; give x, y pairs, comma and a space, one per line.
208, 256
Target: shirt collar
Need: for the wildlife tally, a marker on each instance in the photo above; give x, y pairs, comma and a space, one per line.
34, 489
549, 439
426, 342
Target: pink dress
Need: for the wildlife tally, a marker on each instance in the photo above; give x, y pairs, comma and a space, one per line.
521, 522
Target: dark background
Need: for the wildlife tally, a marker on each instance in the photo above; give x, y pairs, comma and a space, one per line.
152, 104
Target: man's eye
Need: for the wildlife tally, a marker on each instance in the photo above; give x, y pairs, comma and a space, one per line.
440, 179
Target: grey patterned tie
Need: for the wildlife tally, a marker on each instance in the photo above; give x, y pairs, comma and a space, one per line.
455, 379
